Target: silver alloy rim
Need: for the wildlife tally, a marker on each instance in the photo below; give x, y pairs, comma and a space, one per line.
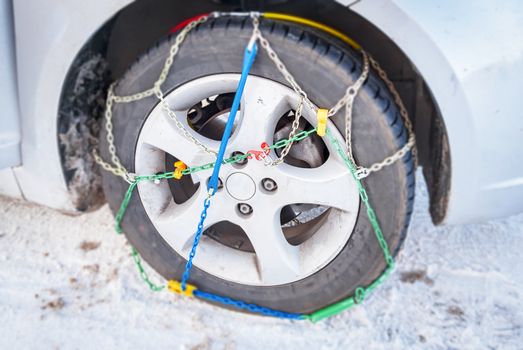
275, 261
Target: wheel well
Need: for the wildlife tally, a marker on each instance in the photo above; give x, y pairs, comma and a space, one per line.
117, 44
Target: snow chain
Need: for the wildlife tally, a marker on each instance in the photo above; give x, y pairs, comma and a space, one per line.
358, 172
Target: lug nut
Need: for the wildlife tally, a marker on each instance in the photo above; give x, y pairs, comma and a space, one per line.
238, 153
244, 208
269, 184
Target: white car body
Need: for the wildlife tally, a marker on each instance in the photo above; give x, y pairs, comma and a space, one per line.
473, 66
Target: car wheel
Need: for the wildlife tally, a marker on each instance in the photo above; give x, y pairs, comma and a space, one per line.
293, 237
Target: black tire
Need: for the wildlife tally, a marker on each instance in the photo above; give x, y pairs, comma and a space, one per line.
324, 67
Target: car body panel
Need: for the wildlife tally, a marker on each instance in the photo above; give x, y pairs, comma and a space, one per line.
48, 37
9, 118
469, 56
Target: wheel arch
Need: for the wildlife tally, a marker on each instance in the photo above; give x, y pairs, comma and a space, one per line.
120, 41
453, 130
106, 54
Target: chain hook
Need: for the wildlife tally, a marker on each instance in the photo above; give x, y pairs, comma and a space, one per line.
362, 172
130, 178
252, 42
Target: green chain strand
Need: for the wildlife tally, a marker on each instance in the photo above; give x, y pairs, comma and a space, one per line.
145, 277
123, 207
136, 257
236, 159
360, 292
365, 198
169, 175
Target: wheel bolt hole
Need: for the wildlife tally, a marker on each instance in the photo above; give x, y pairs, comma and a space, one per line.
242, 162
244, 209
269, 185
220, 183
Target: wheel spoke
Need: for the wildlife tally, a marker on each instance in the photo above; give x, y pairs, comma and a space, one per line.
329, 185
185, 96
161, 133
178, 222
261, 108
278, 261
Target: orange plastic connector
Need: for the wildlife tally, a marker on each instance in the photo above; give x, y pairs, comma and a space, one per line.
179, 166
176, 287
322, 116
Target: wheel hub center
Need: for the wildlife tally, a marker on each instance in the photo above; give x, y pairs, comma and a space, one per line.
240, 186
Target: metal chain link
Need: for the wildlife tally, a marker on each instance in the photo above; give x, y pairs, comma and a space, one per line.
117, 168
365, 199
231, 160
292, 134
143, 274
181, 127
239, 304
106, 166
352, 90
411, 141
198, 235
163, 76
134, 97
279, 64
360, 293
347, 101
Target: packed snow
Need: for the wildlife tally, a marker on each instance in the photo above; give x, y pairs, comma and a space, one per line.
68, 282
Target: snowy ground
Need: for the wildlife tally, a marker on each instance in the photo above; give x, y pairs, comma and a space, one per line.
68, 282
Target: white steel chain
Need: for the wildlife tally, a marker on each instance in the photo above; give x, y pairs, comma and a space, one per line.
411, 141
117, 168
346, 101
279, 64
294, 129
163, 76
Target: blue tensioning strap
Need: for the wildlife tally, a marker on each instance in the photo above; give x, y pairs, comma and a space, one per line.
248, 59
199, 230
249, 307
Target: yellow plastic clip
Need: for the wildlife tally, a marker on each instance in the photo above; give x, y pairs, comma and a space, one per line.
176, 287
179, 166
322, 115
